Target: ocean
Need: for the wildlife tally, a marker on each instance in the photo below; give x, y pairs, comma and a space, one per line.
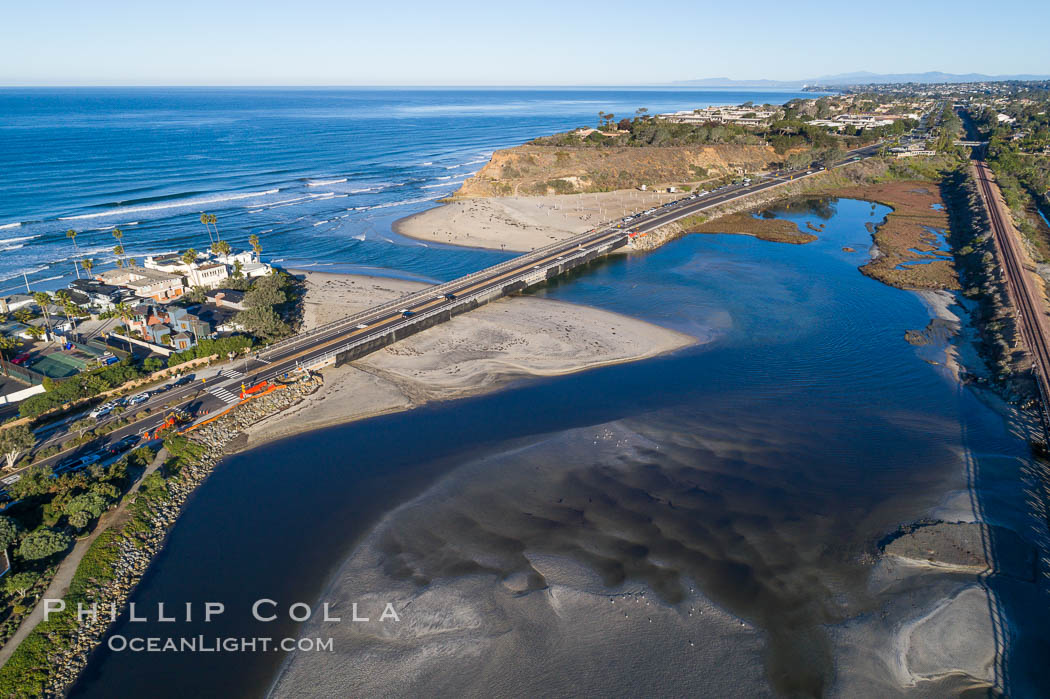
317, 174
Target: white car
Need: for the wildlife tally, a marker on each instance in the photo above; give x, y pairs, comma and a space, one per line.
139, 398
101, 411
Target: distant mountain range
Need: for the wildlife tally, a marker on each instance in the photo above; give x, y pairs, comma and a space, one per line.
861, 78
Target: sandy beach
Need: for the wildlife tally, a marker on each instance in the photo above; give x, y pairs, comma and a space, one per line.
480, 351
524, 223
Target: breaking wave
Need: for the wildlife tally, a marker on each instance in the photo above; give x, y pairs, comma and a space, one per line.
120, 211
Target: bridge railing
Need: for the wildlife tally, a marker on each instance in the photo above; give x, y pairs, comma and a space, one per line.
434, 290
350, 344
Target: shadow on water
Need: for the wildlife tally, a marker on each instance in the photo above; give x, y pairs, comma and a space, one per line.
1018, 600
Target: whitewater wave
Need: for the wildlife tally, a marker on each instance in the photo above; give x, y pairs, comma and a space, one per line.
469, 162
443, 184
20, 272
21, 239
109, 228
297, 200
11, 247
5, 226
396, 203
124, 210
49, 279
428, 163
322, 183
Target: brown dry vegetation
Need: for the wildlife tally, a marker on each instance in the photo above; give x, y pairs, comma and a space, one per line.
912, 203
540, 170
772, 229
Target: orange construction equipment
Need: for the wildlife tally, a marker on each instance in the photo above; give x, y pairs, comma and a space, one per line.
257, 388
175, 417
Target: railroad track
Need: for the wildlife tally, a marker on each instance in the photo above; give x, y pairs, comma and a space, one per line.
1019, 287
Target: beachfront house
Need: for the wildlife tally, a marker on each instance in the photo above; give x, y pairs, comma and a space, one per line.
93, 293
10, 304
170, 326
209, 270
146, 283
208, 275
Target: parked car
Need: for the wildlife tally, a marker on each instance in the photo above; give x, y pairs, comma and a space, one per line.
122, 445
101, 411
21, 359
77, 463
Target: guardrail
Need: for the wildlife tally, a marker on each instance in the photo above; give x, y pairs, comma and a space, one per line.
435, 290
416, 318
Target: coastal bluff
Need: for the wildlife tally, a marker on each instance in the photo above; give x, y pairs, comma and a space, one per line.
534, 170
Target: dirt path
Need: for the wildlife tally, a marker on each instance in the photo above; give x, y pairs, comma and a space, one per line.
60, 583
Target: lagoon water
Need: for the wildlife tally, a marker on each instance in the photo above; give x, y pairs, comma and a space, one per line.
750, 477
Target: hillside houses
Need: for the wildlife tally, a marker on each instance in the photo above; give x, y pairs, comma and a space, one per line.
742, 116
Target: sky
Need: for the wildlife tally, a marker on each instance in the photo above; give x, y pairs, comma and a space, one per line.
470, 42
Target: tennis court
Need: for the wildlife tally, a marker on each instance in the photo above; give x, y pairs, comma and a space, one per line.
59, 365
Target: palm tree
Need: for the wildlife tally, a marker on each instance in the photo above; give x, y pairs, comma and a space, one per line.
44, 300
124, 311
67, 304
253, 240
23, 316
87, 265
205, 219
132, 262
35, 332
190, 256
221, 247
72, 235
6, 343
214, 221
119, 250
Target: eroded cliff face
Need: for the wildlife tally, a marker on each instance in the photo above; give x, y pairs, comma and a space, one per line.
539, 170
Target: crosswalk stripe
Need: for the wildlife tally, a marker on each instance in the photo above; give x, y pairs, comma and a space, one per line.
224, 395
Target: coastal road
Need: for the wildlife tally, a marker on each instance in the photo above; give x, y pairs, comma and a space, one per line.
1020, 286
313, 347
